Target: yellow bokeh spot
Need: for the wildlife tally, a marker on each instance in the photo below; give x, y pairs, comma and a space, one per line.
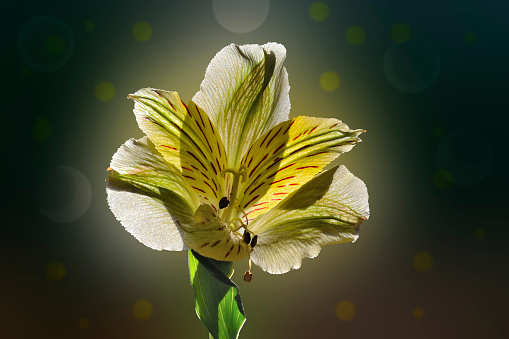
55, 45
319, 11
355, 35
443, 179
400, 32
55, 271
142, 31
25, 71
480, 233
470, 38
418, 313
84, 323
104, 91
329, 81
345, 310
89, 25
142, 309
423, 261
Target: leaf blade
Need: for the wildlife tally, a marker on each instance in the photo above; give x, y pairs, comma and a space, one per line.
217, 298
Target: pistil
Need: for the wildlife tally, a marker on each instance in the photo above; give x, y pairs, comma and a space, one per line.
237, 175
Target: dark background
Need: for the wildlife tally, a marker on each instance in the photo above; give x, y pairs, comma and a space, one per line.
428, 83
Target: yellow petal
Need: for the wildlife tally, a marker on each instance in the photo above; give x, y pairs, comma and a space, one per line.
288, 156
186, 138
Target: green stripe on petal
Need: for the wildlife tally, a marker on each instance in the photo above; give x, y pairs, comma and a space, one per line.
288, 156
245, 93
186, 137
327, 210
149, 196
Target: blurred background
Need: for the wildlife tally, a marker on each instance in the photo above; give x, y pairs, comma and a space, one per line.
428, 80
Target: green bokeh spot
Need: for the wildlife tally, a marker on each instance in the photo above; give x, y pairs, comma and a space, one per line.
400, 32
55, 45
41, 131
104, 91
329, 81
319, 11
142, 31
355, 35
25, 71
470, 38
89, 26
443, 179
439, 132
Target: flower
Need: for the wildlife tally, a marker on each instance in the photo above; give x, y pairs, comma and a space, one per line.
229, 175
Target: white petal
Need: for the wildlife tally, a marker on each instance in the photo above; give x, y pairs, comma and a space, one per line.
149, 196
245, 93
327, 210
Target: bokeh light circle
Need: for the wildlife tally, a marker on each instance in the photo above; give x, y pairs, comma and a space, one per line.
466, 155
84, 323
355, 35
329, 81
142, 31
319, 11
418, 313
65, 195
345, 310
442, 179
55, 271
45, 43
423, 261
142, 309
479, 233
241, 16
412, 67
470, 38
104, 91
25, 71
89, 26
400, 32
41, 130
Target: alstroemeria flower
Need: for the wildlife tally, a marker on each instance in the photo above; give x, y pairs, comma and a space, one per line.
228, 175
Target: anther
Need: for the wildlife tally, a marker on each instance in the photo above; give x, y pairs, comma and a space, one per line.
248, 276
253, 241
247, 237
223, 203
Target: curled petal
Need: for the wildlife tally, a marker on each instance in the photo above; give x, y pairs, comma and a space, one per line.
245, 93
327, 210
149, 196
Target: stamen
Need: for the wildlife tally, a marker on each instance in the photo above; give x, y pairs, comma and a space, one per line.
223, 203
247, 237
248, 276
254, 241
240, 209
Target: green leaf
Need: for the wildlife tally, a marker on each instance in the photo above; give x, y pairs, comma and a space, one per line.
218, 302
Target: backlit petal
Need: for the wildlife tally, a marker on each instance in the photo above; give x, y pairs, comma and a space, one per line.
245, 93
186, 138
149, 196
288, 156
327, 210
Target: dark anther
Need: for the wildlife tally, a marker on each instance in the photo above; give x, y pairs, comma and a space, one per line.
223, 203
248, 276
253, 242
247, 237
